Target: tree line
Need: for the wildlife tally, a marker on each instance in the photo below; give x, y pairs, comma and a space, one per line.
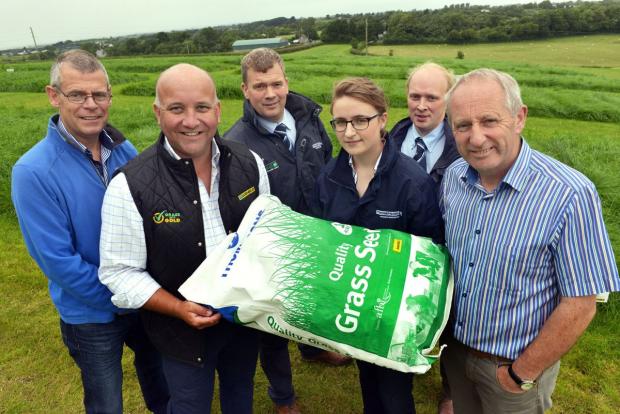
458, 23
463, 23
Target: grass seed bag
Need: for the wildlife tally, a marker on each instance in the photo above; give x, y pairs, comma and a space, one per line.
382, 296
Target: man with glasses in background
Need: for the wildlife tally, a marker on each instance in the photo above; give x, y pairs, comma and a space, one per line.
57, 189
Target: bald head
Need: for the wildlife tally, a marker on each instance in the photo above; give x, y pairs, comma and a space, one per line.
179, 75
187, 110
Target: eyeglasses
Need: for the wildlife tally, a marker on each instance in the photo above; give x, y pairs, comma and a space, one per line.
80, 97
359, 123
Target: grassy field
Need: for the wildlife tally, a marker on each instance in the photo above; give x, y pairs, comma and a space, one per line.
585, 51
575, 117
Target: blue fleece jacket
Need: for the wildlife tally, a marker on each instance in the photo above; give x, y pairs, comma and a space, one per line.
57, 196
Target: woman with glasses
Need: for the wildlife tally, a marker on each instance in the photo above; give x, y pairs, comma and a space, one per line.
371, 184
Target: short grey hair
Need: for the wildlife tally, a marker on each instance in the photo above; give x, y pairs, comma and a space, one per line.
449, 75
509, 85
81, 60
260, 60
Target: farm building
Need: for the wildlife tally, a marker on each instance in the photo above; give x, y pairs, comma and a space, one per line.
249, 44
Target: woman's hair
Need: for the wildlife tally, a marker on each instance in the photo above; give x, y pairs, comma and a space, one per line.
363, 90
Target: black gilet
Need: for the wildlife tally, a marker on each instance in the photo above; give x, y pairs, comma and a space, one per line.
165, 192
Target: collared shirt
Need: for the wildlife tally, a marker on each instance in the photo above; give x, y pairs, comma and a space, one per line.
288, 120
106, 150
123, 245
518, 249
355, 172
434, 141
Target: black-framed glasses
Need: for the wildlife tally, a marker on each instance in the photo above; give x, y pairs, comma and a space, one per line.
359, 123
79, 97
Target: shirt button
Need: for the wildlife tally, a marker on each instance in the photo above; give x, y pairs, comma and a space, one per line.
199, 359
186, 162
477, 231
460, 323
471, 264
199, 244
464, 294
195, 201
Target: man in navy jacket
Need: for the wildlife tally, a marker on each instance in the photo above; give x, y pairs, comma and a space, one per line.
426, 89
426, 137
285, 130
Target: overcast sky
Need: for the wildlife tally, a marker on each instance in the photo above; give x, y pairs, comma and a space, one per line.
56, 20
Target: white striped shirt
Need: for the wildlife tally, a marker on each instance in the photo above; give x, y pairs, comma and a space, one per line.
123, 247
517, 250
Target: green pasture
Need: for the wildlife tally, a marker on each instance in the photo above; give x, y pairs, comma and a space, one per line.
574, 100
588, 51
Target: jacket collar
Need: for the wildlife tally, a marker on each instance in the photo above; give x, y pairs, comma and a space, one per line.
341, 173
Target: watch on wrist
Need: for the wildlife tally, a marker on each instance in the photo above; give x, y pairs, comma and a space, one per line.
524, 384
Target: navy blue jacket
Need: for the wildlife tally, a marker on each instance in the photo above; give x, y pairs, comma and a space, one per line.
291, 176
401, 196
399, 132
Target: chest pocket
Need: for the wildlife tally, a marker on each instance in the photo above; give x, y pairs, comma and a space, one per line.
522, 268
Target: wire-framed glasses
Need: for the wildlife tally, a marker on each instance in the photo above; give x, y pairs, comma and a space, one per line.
80, 97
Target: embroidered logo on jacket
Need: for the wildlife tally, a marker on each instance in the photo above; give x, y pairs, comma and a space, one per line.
273, 165
390, 215
246, 193
166, 217
317, 145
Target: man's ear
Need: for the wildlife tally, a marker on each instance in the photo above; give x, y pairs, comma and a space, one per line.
521, 117
53, 96
244, 89
218, 111
157, 112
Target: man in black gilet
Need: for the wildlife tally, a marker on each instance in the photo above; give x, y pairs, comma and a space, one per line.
162, 215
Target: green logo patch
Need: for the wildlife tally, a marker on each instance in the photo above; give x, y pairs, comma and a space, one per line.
165, 216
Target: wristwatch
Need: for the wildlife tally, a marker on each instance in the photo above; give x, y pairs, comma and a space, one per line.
525, 384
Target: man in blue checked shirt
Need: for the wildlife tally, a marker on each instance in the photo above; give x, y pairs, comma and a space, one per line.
530, 253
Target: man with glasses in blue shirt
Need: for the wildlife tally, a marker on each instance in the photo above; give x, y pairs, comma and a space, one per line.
57, 189
530, 253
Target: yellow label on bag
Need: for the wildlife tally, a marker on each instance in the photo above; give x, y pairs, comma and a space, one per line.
397, 245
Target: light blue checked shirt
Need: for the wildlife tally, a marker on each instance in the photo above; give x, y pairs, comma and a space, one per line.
106, 150
517, 250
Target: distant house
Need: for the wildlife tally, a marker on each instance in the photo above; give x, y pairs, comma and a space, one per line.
303, 39
249, 44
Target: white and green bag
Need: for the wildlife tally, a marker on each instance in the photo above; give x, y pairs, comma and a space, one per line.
382, 296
